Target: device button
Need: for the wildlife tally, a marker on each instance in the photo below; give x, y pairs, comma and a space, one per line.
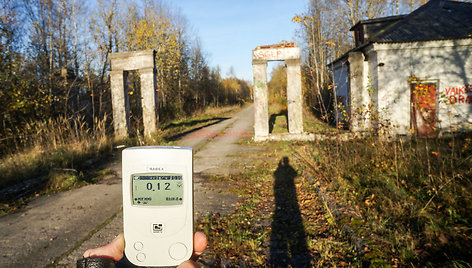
138, 246
178, 251
141, 257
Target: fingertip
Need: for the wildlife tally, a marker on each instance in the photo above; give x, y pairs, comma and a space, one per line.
188, 264
113, 250
200, 242
87, 253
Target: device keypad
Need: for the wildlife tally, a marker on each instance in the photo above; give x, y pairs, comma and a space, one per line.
138, 246
178, 251
141, 257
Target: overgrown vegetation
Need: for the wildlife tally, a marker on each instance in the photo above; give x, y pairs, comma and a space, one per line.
325, 36
364, 202
56, 143
358, 203
412, 198
64, 153
55, 62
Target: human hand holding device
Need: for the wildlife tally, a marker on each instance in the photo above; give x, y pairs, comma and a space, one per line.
157, 209
114, 250
158, 204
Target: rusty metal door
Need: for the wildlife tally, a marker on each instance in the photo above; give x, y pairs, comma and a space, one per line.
424, 108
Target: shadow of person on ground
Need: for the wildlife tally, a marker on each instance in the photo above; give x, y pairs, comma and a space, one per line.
288, 244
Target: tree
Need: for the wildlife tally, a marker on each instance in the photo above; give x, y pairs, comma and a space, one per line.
324, 29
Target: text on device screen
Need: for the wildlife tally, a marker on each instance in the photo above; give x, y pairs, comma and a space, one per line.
157, 189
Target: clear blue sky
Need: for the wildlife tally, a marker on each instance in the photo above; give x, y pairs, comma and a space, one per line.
230, 29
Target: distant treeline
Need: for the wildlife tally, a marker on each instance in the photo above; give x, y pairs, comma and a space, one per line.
54, 60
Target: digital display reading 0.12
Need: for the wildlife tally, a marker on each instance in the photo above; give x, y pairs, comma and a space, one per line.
157, 189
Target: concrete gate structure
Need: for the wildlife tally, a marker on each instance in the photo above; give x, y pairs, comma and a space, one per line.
144, 63
289, 53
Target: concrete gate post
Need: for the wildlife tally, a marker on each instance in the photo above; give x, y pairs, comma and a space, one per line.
121, 63
149, 100
119, 99
294, 97
289, 53
261, 100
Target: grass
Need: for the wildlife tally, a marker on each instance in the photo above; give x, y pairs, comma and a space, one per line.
358, 203
412, 198
55, 143
281, 220
58, 151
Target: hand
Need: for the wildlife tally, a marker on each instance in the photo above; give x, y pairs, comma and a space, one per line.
114, 250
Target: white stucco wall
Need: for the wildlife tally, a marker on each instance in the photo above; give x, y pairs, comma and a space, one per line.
449, 62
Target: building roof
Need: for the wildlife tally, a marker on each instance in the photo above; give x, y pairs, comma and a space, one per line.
383, 19
436, 20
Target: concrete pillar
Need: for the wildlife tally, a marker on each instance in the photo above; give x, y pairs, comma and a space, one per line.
357, 91
120, 102
261, 100
294, 96
149, 100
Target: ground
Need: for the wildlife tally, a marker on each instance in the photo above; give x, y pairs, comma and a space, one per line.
58, 228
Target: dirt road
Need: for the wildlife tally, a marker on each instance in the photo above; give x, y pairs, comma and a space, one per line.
59, 228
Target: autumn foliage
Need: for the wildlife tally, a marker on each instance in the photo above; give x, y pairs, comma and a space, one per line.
54, 59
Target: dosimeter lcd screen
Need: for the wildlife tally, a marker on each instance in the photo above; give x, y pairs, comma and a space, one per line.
157, 189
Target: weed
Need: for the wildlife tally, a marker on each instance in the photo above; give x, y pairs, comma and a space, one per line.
60, 151
414, 197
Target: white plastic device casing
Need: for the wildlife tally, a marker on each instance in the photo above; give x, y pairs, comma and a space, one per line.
174, 244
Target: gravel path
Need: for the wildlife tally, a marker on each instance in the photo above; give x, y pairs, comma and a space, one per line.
62, 226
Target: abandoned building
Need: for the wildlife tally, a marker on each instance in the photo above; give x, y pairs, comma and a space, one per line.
411, 73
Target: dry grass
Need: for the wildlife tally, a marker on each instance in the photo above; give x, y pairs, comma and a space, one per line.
64, 143
414, 197
55, 143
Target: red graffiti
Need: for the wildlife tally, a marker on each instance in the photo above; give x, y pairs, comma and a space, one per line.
460, 99
460, 94
458, 90
271, 54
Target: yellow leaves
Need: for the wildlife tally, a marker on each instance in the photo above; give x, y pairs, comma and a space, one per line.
369, 201
297, 19
330, 43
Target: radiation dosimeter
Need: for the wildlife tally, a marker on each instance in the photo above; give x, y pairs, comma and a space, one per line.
158, 205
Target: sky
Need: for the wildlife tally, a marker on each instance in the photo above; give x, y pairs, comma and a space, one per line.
230, 29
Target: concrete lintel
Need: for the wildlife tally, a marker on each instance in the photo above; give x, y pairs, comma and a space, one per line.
135, 60
293, 61
277, 54
147, 70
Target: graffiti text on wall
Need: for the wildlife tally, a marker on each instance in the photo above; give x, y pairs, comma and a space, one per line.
460, 94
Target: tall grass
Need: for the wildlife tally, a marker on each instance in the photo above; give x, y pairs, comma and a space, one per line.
62, 142
414, 197
67, 142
